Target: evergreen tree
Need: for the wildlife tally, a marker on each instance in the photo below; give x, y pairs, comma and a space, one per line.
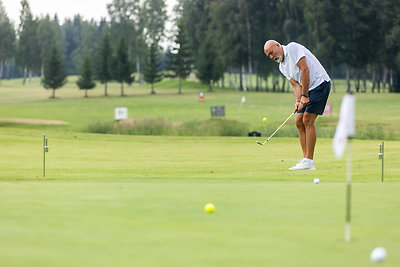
209, 67
85, 81
104, 61
54, 77
181, 60
151, 74
122, 67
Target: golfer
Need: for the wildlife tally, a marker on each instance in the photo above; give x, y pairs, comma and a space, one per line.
311, 86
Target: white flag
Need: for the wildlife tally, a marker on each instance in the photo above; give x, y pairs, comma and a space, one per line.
346, 125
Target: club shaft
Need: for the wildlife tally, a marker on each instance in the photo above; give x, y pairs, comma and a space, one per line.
280, 126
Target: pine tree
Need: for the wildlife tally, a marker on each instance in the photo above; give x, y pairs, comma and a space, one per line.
181, 60
85, 81
208, 65
151, 74
54, 77
104, 62
122, 67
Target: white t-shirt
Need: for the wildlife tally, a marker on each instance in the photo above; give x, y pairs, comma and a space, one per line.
293, 52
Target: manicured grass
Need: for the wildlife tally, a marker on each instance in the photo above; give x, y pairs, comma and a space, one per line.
119, 200
376, 114
138, 201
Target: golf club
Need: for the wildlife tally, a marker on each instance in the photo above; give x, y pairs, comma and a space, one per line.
258, 142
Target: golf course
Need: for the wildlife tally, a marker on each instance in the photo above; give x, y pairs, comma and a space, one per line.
138, 199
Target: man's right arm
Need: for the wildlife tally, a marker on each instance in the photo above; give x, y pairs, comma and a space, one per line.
297, 93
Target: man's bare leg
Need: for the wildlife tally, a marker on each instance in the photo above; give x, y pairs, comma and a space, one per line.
302, 132
310, 133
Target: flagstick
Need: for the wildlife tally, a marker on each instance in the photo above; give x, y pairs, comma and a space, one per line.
347, 236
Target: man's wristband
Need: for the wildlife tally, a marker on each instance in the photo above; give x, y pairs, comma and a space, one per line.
305, 95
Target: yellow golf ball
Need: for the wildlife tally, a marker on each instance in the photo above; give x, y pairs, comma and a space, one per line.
265, 119
209, 208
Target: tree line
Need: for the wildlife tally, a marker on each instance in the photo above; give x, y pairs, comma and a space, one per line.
215, 39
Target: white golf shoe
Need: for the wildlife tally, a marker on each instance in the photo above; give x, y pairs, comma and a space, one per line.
303, 165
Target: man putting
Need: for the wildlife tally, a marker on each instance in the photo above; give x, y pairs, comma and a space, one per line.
311, 86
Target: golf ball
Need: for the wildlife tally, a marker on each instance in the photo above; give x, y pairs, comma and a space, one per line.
209, 208
378, 254
316, 181
264, 119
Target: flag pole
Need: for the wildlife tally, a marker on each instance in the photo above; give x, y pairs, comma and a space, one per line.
347, 236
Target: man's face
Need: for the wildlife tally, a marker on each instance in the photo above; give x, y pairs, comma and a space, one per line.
273, 52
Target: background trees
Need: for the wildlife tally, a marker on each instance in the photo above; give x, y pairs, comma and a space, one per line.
104, 61
7, 40
356, 40
151, 74
54, 76
181, 61
85, 81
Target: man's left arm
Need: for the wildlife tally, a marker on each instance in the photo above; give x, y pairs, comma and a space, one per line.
305, 80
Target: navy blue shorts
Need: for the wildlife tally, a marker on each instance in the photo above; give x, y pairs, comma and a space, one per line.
318, 97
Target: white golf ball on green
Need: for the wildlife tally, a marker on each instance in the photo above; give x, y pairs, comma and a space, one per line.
378, 254
316, 181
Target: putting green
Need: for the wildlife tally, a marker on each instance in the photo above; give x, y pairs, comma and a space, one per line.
139, 201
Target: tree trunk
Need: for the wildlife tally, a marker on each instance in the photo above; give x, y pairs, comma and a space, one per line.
244, 79
390, 80
257, 83
25, 72
42, 73
105, 89
348, 78
248, 28
357, 80
275, 82
266, 84
384, 77
86, 93
1, 70
240, 80
54, 93
373, 78
209, 86
30, 76
283, 85
230, 78
180, 86
364, 84
152, 89
235, 81
378, 81
8, 70
138, 69
223, 81
122, 89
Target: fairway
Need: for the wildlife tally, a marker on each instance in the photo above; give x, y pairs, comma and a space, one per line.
139, 201
136, 200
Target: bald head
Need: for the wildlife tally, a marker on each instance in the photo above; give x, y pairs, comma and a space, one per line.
273, 50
